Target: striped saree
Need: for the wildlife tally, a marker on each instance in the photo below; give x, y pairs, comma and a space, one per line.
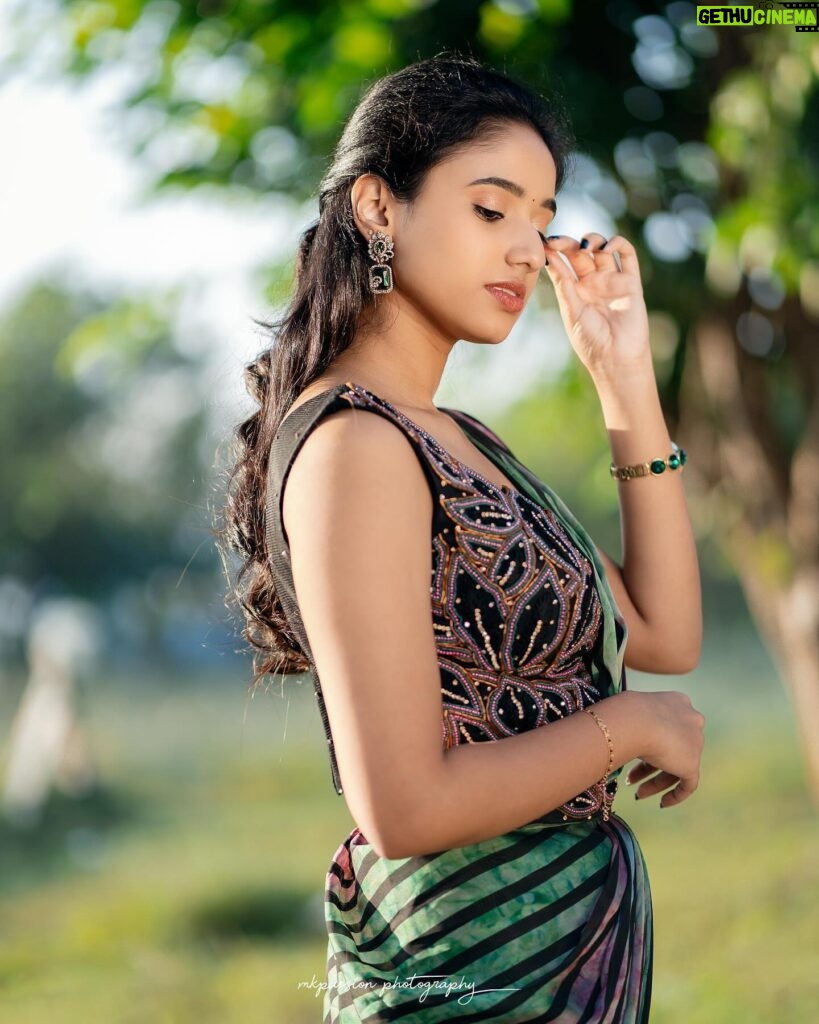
553, 920
544, 923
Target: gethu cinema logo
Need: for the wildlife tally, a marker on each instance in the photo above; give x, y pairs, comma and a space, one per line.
803, 16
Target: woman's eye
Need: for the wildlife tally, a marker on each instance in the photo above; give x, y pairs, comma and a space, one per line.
493, 214
484, 212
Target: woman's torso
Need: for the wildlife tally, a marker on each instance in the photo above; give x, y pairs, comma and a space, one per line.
515, 614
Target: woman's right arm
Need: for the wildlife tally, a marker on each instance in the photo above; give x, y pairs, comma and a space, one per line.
357, 511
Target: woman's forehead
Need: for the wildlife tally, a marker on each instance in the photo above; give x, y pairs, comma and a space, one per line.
524, 174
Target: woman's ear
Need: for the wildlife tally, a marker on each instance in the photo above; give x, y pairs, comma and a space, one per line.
372, 205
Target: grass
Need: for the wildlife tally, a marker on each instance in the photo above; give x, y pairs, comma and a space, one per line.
189, 886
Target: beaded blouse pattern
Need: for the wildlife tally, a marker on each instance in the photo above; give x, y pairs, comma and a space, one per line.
515, 611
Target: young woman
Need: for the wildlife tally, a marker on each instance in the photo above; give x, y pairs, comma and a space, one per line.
443, 597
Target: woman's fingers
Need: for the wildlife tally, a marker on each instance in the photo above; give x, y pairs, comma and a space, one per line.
584, 256
577, 258
639, 772
656, 784
564, 280
593, 241
626, 253
680, 792
649, 783
598, 247
562, 243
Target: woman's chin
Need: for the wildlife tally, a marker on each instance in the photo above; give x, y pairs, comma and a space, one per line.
483, 338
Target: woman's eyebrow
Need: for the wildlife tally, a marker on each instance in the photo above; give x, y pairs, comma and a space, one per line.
510, 186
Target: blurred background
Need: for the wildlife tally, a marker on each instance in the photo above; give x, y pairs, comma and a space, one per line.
164, 836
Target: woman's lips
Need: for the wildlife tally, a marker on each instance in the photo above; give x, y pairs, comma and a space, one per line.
511, 303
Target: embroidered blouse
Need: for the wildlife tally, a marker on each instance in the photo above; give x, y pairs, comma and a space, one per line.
515, 614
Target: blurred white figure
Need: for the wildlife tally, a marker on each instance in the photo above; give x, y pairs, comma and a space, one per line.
15, 612
46, 747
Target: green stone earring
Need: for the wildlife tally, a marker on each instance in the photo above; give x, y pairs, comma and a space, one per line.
380, 248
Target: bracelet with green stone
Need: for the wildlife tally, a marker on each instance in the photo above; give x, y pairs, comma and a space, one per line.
676, 460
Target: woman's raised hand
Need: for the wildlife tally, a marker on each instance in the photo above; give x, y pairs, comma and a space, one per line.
601, 303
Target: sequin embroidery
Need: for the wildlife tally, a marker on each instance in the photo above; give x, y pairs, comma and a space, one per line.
515, 611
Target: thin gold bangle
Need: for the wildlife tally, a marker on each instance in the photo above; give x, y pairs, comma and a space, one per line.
602, 783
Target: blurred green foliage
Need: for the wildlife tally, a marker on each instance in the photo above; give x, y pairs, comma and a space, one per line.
103, 419
699, 143
703, 141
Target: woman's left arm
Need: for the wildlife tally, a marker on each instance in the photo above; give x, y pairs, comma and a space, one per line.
658, 586
657, 589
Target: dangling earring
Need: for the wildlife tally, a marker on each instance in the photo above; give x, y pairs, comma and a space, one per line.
380, 250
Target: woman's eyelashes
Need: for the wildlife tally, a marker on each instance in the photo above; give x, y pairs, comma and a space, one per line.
492, 214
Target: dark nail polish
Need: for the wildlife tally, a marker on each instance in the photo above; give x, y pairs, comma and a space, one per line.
584, 244
551, 238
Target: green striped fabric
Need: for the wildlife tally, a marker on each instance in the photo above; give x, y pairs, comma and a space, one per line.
538, 924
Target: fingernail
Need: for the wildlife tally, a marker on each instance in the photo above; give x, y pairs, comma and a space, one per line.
584, 244
551, 238
627, 780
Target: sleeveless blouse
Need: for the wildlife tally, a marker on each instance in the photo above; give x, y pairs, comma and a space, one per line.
515, 615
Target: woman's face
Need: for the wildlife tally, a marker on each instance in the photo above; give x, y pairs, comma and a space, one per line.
459, 237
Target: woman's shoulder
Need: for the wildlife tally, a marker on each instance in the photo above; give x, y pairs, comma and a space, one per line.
322, 433
320, 386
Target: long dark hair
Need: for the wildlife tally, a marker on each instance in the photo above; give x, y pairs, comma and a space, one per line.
404, 124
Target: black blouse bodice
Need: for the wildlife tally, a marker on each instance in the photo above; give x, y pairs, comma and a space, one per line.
515, 614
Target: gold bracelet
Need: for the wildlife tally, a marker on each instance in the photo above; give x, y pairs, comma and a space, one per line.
607, 800
676, 460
